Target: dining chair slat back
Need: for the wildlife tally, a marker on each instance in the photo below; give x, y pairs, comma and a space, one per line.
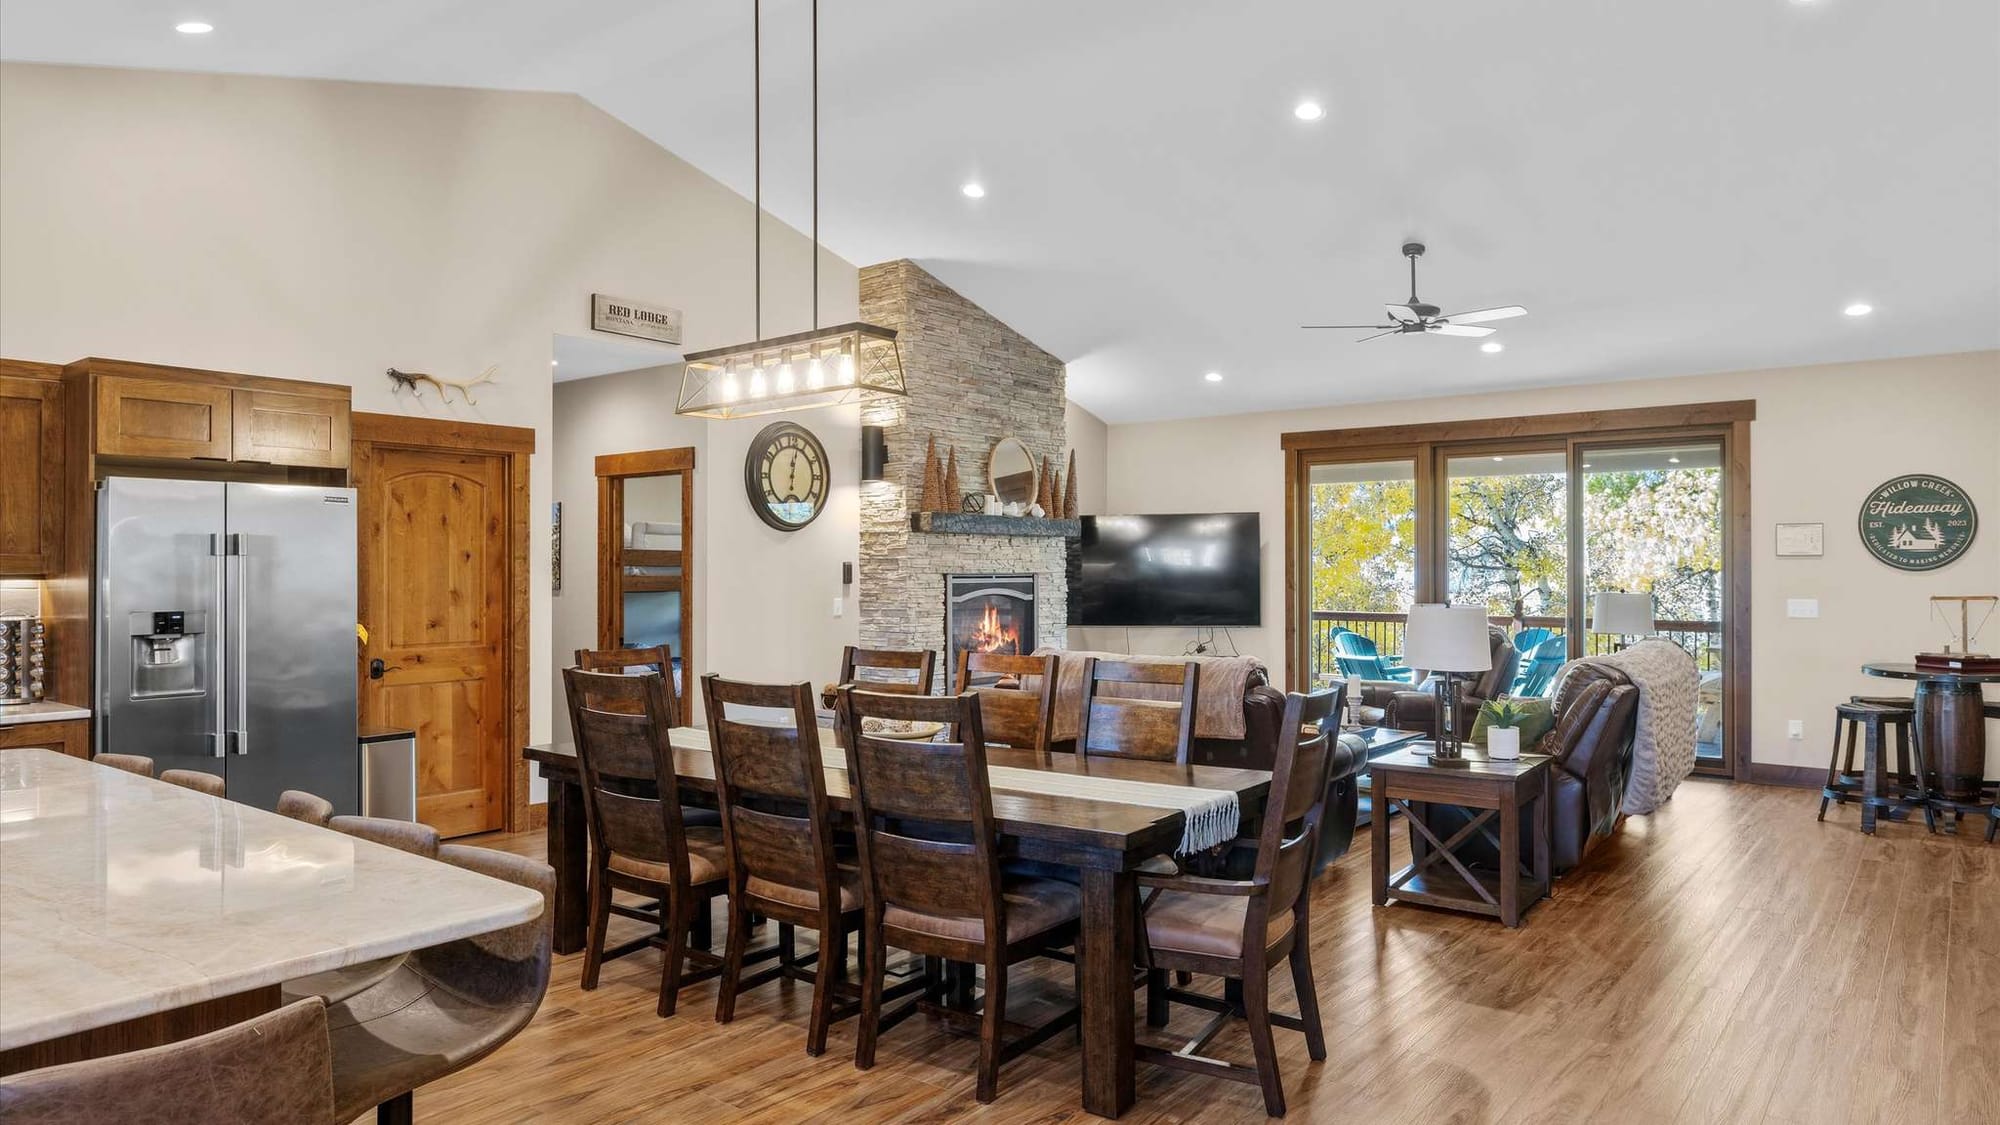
1154, 730
889, 670
770, 785
1022, 716
659, 658
630, 794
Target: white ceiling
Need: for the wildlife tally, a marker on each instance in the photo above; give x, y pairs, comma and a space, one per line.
1670, 187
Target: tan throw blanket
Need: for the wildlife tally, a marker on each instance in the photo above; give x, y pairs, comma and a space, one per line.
1218, 701
1663, 744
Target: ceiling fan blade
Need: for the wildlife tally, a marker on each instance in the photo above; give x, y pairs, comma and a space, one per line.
1460, 330
1388, 326
1390, 332
1479, 316
1403, 313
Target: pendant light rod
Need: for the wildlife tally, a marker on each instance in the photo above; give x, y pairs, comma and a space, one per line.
815, 245
757, 165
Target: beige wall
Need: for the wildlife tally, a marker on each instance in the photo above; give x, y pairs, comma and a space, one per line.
763, 602
1088, 437
1823, 437
329, 230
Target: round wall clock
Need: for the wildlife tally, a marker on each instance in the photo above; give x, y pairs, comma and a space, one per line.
1918, 522
785, 473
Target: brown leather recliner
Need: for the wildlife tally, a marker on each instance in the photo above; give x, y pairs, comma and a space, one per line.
1408, 707
1597, 709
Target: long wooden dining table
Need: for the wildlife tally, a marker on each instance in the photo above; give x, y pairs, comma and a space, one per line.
1104, 840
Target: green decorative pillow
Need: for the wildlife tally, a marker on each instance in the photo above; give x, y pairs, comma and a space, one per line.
1535, 717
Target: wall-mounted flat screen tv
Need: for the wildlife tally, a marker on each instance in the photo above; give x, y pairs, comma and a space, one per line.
1177, 570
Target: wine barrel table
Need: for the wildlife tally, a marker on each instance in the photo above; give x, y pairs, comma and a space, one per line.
1951, 728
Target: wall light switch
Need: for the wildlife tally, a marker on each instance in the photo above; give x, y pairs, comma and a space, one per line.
1801, 607
1795, 728
839, 606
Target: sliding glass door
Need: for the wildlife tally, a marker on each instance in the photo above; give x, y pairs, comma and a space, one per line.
1653, 523
1363, 566
1529, 518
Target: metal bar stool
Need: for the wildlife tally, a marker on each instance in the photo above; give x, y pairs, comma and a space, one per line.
1868, 719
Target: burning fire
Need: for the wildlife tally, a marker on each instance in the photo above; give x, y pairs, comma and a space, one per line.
991, 635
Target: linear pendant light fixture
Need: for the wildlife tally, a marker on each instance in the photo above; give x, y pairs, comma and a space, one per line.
823, 367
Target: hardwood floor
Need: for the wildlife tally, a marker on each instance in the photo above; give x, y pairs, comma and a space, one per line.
1728, 959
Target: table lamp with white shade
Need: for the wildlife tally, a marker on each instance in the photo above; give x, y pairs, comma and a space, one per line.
1626, 615
1447, 641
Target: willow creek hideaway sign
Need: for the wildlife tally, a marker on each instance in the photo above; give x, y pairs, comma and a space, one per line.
1918, 522
632, 318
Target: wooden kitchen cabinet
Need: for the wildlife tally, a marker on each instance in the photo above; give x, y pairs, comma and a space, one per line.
161, 419
288, 429
67, 736
31, 469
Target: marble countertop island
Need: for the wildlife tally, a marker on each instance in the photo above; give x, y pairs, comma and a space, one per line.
121, 896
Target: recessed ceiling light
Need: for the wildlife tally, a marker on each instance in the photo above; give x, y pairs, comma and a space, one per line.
974, 190
194, 27
1213, 376
1859, 308
1490, 347
1308, 110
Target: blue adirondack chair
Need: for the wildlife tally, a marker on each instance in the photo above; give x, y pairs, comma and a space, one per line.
1526, 642
1538, 672
1357, 656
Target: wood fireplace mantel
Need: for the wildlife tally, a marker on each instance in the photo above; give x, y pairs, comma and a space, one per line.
972, 523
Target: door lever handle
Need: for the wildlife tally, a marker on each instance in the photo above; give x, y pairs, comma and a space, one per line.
375, 669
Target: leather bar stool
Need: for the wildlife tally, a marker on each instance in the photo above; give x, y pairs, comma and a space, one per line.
1869, 722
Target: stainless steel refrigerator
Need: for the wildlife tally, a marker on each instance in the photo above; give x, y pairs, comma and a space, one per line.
225, 633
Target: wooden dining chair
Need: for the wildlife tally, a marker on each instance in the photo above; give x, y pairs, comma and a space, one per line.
274, 1069
1153, 730
1023, 716
1241, 929
912, 673
638, 842
778, 828
660, 658
942, 895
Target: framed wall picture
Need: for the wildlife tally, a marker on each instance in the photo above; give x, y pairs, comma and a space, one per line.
1801, 540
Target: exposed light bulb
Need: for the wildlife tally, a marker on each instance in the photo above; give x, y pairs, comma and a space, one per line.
846, 369
785, 384
758, 386
731, 388
815, 373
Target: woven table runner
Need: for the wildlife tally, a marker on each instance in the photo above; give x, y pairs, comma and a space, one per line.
1212, 815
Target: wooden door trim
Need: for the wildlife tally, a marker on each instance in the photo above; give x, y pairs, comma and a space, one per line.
516, 443
613, 469
1593, 422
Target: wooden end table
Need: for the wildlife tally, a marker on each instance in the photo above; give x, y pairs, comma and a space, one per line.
1437, 875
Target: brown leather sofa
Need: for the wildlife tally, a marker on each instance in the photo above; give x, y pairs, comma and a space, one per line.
1597, 709
1414, 707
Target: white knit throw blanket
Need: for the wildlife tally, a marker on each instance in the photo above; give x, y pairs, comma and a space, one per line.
1212, 815
1663, 744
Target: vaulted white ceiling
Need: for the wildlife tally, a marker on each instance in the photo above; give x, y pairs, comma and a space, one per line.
1670, 187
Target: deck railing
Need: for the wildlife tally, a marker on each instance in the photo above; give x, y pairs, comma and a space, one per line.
1702, 639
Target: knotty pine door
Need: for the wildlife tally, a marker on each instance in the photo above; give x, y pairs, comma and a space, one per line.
434, 575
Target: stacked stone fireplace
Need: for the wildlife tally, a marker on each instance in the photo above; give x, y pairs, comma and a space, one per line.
972, 380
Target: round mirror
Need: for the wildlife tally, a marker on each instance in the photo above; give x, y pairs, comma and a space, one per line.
1010, 471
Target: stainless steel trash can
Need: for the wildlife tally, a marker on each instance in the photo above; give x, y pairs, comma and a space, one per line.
389, 773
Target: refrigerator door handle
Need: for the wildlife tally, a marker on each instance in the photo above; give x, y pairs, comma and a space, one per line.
240, 618
219, 720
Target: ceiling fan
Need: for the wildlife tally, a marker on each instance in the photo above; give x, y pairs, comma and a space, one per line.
1415, 316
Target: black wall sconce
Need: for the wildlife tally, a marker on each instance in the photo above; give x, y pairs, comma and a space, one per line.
874, 453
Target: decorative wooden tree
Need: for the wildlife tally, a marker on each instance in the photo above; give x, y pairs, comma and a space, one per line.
1069, 489
1054, 508
927, 499
1042, 495
950, 501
